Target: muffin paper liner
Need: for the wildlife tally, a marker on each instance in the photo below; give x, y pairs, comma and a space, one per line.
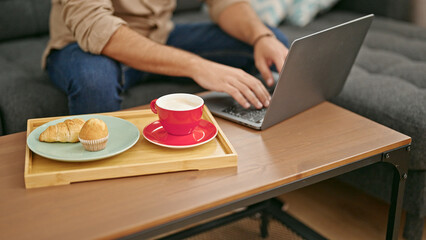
94, 145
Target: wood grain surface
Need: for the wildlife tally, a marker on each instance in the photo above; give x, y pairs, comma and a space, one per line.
322, 138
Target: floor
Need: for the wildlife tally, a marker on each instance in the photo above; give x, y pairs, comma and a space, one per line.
333, 209
339, 211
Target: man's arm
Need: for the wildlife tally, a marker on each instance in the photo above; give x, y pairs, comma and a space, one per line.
141, 53
240, 21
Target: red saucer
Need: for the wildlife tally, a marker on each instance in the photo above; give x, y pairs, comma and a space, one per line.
203, 133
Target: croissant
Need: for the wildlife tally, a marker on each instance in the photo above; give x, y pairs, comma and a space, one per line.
66, 131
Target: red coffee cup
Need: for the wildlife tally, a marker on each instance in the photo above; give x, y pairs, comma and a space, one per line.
179, 113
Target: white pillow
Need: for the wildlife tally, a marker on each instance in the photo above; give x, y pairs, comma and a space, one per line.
303, 12
272, 12
297, 12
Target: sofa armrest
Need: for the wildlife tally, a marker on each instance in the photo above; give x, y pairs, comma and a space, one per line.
397, 9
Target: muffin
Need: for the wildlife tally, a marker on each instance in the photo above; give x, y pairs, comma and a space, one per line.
94, 135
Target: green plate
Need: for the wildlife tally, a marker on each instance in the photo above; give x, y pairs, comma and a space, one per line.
122, 136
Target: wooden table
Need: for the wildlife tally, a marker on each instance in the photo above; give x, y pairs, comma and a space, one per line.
318, 144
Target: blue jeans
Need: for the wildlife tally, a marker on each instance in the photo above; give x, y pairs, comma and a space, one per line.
94, 83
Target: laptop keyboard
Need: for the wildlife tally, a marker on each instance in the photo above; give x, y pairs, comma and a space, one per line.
251, 114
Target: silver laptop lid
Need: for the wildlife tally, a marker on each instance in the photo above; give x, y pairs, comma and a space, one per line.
316, 69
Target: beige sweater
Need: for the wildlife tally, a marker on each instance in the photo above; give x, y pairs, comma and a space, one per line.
91, 23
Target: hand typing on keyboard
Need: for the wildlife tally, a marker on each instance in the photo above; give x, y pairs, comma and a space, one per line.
251, 114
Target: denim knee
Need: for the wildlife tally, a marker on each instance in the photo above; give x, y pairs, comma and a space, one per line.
91, 82
99, 74
96, 86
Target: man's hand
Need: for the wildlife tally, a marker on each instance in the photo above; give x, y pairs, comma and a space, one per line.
240, 21
243, 87
269, 51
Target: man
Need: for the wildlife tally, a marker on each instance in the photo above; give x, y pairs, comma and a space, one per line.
99, 48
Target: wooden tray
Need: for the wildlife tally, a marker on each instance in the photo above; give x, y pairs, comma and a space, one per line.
143, 158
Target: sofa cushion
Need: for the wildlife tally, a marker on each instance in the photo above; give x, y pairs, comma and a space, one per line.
1, 123
395, 9
21, 18
25, 89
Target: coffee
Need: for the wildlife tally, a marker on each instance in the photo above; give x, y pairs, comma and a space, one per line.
178, 113
179, 102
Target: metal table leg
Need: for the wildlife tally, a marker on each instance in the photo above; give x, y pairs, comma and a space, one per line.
399, 159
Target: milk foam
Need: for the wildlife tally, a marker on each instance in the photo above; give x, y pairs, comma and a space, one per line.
179, 102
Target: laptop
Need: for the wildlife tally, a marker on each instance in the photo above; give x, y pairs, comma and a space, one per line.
314, 71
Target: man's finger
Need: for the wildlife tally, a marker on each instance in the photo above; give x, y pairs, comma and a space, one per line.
236, 94
248, 94
257, 87
264, 70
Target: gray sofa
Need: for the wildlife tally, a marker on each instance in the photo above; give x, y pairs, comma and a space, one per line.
387, 83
